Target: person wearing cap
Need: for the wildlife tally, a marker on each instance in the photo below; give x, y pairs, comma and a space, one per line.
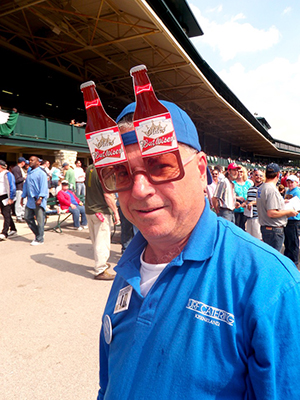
224, 198
7, 196
197, 306
20, 176
272, 214
69, 201
291, 231
69, 175
35, 189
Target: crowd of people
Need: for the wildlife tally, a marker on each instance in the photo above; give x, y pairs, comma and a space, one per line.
26, 187
259, 201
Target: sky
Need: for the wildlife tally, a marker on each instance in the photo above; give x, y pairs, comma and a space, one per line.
254, 47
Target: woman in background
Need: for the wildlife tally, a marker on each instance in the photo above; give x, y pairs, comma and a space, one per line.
241, 186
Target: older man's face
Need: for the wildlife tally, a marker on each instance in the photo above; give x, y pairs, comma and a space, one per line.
233, 174
167, 212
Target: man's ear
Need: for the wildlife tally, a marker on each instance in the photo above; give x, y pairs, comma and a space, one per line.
202, 166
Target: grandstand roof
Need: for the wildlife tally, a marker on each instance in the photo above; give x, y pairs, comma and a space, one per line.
101, 40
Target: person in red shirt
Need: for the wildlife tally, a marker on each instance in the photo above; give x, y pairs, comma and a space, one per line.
283, 180
69, 201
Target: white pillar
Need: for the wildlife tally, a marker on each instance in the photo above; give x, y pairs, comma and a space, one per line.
68, 156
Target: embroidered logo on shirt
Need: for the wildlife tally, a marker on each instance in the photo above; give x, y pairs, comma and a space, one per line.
210, 314
123, 299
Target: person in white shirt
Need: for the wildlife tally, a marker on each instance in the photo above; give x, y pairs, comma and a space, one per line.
79, 177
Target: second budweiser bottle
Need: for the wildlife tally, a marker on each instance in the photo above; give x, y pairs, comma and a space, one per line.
102, 133
152, 120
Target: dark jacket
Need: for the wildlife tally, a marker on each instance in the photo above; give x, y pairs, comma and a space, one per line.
17, 173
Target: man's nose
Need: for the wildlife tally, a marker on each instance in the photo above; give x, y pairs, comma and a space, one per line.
141, 185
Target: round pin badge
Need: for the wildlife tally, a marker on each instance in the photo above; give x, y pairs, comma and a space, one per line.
107, 329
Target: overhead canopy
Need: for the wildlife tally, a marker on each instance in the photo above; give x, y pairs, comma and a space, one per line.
101, 40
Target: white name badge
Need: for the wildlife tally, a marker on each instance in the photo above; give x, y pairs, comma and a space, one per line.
123, 299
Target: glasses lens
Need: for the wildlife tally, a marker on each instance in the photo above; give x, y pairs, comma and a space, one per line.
116, 177
163, 167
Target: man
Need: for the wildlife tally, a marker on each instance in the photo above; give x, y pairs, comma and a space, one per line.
224, 198
219, 169
35, 189
270, 207
7, 195
45, 166
69, 201
253, 226
79, 178
97, 208
197, 306
69, 175
210, 189
19, 175
291, 231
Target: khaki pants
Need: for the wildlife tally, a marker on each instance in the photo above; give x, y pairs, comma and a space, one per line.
100, 236
253, 228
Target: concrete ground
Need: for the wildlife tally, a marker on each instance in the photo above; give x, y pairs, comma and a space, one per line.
50, 315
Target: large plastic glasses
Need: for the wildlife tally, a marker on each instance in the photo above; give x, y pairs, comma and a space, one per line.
161, 168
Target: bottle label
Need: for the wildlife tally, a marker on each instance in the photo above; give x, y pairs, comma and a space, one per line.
156, 134
92, 103
145, 88
106, 146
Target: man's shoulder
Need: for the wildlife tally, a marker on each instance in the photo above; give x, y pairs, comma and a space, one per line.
15, 169
223, 183
296, 191
61, 193
268, 188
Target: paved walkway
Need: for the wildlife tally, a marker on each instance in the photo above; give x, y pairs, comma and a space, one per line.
50, 315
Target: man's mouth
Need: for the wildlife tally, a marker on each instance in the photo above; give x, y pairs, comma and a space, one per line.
149, 210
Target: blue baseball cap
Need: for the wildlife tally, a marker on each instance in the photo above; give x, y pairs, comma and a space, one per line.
185, 129
273, 167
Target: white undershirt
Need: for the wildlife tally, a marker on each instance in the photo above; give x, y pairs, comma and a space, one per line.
149, 274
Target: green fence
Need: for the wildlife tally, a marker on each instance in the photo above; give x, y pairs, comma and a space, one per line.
45, 130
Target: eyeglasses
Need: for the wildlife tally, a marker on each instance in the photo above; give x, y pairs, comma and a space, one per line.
258, 176
159, 169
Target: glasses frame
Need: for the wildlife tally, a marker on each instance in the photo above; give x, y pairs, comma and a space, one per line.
145, 171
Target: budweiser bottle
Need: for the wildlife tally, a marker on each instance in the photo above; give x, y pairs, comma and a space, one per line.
102, 132
152, 120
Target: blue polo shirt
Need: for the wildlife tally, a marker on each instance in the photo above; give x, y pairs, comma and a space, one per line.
35, 186
221, 322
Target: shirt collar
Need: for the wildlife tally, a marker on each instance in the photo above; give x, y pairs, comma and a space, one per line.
199, 247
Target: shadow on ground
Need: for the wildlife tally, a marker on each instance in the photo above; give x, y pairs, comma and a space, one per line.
63, 265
